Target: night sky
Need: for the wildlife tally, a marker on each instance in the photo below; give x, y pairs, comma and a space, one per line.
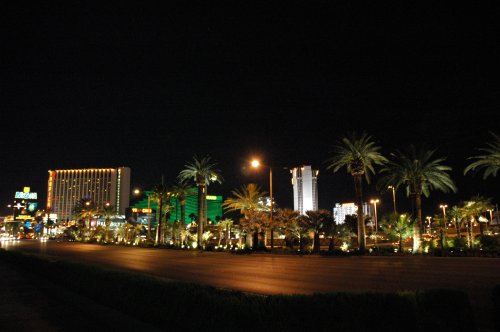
147, 86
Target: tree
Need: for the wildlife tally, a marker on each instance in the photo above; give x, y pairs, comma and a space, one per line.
338, 233
420, 174
473, 209
108, 211
181, 191
284, 218
489, 161
358, 155
457, 215
85, 209
317, 221
397, 227
160, 194
248, 200
225, 225
202, 172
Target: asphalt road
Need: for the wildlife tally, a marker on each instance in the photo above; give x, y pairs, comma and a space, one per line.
287, 274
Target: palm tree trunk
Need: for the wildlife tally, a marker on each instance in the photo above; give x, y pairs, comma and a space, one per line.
417, 226
255, 240
200, 215
158, 226
469, 234
358, 186
183, 211
316, 246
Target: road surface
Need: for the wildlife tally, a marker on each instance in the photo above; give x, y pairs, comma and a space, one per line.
290, 274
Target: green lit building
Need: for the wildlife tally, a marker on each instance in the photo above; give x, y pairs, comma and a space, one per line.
214, 207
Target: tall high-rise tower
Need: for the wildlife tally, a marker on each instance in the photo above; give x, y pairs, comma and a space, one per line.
101, 185
305, 188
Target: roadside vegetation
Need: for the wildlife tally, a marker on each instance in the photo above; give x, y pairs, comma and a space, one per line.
248, 224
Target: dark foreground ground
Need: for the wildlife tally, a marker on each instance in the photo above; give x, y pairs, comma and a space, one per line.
256, 273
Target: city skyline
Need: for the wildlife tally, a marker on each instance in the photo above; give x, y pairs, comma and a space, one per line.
148, 87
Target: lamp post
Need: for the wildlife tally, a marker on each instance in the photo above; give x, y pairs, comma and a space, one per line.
491, 217
444, 206
255, 164
374, 202
429, 221
393, 197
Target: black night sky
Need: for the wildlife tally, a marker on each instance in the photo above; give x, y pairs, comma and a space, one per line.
147, 86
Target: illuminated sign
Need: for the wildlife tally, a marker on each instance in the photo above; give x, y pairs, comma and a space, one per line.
32, 207
25, 195
211, 198
144, 210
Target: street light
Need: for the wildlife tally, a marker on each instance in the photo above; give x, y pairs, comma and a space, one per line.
491, 217
256, 164
491, 214
374, 202
393, 197
429, 221
444, 206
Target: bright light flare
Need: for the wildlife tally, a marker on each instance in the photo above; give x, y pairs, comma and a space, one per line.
255, 163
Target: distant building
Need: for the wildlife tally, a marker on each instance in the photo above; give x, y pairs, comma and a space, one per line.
345, 209
101, 185
213, 212
305, 188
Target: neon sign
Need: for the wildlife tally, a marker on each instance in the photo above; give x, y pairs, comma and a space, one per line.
136, 210
23, 195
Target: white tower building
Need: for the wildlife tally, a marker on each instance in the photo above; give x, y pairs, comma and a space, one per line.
345, 209
305, 188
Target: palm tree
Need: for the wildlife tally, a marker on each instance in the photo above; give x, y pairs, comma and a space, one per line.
398, 227
316, 221
85, 209
108, 212
226, 224
202, 172
490, 161
457, 216
181, 191
358, 155
285, 217
248, 200
473, 210
420, 174
160, 194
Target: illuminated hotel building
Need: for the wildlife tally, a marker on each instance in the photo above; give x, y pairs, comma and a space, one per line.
305, 189
100, 185
345, 209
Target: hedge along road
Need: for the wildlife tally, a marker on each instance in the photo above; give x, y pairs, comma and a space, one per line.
290, 274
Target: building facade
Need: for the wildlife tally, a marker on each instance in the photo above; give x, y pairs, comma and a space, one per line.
212, 213
340, 211
305, 189
100, 185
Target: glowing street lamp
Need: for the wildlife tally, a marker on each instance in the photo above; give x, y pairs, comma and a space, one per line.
444, 206
429, 221
374, 202
393, 197
256, 164
491, 214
